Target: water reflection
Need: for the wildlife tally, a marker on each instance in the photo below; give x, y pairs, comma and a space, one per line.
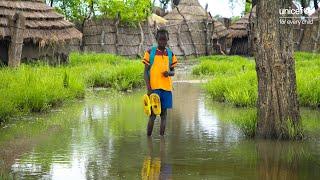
287, 160
104, 137
279, 160
154, 164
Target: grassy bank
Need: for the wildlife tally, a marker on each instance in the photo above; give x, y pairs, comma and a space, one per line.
36, 88
245, 119
235, 81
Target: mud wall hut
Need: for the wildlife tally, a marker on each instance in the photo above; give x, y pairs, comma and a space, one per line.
193, 31
239, 32
310, 41
29, 29
108, 36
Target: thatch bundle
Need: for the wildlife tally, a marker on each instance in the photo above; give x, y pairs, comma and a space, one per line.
42, 23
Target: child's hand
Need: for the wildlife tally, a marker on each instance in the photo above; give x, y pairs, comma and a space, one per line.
165, 74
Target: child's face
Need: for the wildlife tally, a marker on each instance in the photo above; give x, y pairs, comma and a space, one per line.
162, 40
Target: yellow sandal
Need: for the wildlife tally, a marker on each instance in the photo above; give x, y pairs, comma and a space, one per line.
155, 103
146, 105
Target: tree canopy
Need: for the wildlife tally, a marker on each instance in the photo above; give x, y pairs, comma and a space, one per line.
129, 11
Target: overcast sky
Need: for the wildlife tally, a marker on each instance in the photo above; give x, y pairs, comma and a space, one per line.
223, 7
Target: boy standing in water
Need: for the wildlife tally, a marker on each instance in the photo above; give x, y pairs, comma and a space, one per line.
159, 67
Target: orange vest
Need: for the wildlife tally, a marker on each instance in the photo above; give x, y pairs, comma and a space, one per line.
160, 65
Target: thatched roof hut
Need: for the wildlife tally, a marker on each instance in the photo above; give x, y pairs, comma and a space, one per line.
190, 9
309, 40
197, 34
193, 29
39, 24
220, 31
239, 33
239, 29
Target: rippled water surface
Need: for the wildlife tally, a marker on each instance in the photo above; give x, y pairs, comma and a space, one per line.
104, 137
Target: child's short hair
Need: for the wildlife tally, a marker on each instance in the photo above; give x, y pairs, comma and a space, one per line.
162, 31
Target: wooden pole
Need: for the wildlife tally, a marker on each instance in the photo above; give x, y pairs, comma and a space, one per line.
184, 19
141, 41
180, 44
116, 24
17, 27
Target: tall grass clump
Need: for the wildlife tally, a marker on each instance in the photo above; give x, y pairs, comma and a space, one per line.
247, 123
308, 78
120, 77
240, 90
36, 88
234, 79
228, 65
91, 58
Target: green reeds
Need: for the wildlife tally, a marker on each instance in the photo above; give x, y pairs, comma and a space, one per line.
234, 79
37, 88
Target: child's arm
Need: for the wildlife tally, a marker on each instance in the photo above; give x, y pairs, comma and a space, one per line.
146, 78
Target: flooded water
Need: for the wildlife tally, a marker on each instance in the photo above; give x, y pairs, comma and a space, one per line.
104, 137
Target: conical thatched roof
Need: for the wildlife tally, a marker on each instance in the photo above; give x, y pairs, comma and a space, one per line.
239, 29
190, 9
193, 11
42, 22
219, 30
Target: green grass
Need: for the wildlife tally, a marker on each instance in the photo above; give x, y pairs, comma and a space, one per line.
234, 79
239, 89
36, 88
223, 65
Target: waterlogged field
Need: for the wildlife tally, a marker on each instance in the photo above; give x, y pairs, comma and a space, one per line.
37, 87
104, 137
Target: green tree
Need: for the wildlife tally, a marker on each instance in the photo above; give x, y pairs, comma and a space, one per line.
75, 10
130, 11
78, 11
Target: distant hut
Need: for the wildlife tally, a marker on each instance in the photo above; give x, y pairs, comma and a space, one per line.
29, 29
219, 37
310, 41
239, 33
192, 30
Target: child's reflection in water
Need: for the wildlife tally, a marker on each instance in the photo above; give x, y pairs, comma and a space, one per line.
154, 166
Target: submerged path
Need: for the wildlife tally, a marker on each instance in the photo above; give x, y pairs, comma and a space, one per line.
104, 136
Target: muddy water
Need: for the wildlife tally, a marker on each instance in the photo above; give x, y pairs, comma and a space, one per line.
104, 137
